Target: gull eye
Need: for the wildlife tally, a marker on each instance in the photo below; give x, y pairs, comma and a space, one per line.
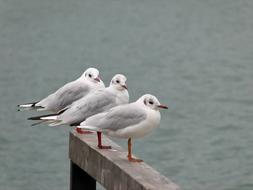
117, 81
90, 75
151, 102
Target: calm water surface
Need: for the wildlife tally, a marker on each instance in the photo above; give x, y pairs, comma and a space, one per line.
196, 56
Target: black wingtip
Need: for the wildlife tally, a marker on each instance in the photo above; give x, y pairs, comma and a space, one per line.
19, 105
75, 124
39, 117
37, 123
34, 118
30, 103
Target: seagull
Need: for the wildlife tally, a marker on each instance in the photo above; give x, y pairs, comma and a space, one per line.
134, 120
70, 92
99, 101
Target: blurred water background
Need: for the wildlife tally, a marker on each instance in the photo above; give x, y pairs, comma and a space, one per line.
194, 55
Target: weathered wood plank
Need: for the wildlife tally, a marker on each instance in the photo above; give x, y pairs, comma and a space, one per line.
111, 168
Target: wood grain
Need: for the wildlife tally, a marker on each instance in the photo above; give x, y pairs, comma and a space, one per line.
111, 168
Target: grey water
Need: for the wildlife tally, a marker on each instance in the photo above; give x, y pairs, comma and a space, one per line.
196, 56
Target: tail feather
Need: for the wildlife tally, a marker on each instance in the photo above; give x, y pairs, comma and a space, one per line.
44, 117
29, 106
56, 123
38, 123
75, 124
92, 128
49, 122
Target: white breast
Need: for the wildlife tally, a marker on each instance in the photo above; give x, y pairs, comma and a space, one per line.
122, 97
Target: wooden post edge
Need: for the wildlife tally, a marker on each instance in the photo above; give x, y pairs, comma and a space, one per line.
111, 168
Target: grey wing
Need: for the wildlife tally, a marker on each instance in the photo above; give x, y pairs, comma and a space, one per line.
67, 95
118, 117
94, 103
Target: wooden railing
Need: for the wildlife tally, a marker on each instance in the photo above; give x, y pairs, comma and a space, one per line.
109, 167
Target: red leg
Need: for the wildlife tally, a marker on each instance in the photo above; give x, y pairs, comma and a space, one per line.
130, 158
100, 146
80, 131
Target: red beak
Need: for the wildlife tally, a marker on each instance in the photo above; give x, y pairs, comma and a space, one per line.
98, 79
162, 106
124, 86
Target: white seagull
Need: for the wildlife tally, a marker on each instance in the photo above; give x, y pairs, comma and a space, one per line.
133, 120
96, 102
67, 94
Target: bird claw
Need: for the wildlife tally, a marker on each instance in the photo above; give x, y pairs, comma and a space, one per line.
131, 159
104, 147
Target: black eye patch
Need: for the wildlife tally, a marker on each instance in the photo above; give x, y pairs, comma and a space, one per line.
151, 102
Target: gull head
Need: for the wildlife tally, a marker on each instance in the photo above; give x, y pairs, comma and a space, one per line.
119, 82
151, 102
92, 75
